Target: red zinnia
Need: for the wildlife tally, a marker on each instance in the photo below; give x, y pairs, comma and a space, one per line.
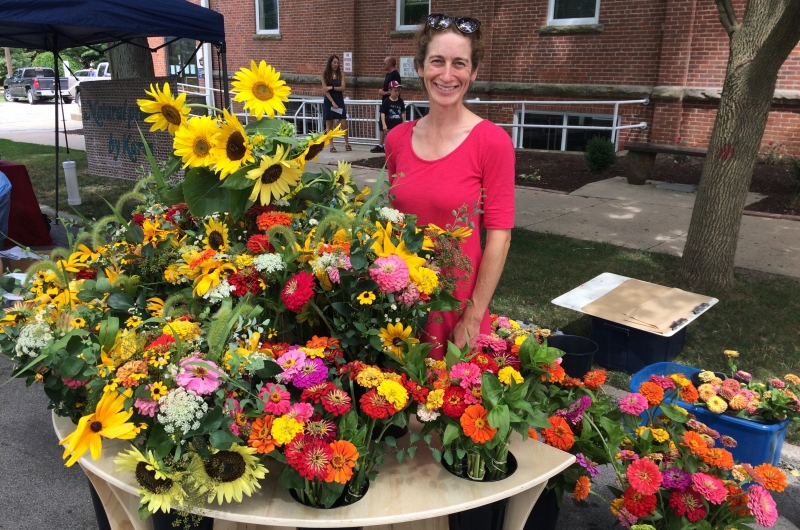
315, 459
259, 243
638, 504
138, 219
293, 451
375, 405
418, 393
485, 362
688, 503
315, 393
244, 283
454, 404
644, 476
298, 291
336, 401
87, 274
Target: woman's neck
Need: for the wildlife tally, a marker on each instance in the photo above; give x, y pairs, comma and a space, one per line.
440, 118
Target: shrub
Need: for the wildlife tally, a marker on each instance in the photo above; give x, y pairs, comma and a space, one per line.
600, 154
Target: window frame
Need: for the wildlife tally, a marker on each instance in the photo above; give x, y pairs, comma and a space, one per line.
551, 8
260, 31
516, 133
399, 17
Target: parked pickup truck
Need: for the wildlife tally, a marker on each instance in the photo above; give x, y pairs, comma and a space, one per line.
34, 83
103, 73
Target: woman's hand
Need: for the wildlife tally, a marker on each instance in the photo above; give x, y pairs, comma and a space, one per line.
468, 326
334, 105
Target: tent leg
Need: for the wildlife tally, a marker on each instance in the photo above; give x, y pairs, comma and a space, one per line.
224, 79
58, 97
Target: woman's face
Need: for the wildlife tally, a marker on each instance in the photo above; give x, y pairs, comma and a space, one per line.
448, 68
335, 64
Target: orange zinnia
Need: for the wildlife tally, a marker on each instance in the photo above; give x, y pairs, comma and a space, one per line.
476, 425
689, 393
696, 443
560, 436
555, 371
594, 379
582, 488
774, 479
652, 392
261, 435
718, 457
267, 220
532, 434
340, 467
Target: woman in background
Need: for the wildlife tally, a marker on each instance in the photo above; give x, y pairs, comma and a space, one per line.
333, 85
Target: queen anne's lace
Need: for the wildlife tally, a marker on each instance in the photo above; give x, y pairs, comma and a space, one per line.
32, 338
181, 410
268, 263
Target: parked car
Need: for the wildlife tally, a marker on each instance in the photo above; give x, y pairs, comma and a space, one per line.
103, 73
34, 83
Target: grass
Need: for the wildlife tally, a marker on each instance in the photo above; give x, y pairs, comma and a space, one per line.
40, 161
758, 317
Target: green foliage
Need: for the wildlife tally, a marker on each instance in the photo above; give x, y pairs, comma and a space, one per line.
600, 154
19, 59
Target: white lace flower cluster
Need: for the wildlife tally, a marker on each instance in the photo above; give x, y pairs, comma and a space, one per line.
221, 291
268, 263
181, 410
32, 338
391, 215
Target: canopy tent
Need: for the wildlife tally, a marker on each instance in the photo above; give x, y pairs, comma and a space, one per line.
55, 25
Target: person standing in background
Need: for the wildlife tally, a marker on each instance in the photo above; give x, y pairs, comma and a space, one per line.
390, 66
333, 85
393, 109
5, 207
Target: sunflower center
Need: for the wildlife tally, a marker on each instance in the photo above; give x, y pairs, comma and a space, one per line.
236, 148
397, 341
314, 150
262, 91
226, 466
201, 147
272, 174
147, 479
96, 426
215, 240
479, 423
171, 114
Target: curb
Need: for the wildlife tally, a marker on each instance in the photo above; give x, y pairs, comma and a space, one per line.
772, 215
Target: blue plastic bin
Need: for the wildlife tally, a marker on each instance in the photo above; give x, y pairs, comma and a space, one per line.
759, 443
630, 349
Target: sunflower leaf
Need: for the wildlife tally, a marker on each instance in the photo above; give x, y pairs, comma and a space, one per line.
238, 179
222, 439
239, 202
204, 193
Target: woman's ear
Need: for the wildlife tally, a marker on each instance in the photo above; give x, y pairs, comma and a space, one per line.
473, 75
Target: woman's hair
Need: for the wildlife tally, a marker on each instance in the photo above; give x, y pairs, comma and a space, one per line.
425, 33
327, 76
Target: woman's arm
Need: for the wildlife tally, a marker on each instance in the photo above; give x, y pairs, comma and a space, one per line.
341, 87
489, 271
326, 91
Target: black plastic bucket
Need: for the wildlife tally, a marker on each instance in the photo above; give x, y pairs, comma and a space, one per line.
544, 515
578, 353
172, 520
490, 516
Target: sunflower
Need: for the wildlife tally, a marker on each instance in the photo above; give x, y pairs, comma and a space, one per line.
343, 180
216, 235
318, 142
155, 305
234, 472
394, 335
261, 89
166, 112
275, 176
159, 490
233, 148
109, 420
195, 142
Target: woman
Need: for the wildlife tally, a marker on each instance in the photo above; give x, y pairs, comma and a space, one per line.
333, 86
449, 159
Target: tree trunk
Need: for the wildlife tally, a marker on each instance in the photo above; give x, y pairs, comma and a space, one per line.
758, 47
128, 61
9, 68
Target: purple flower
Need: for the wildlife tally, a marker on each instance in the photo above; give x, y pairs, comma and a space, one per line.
291, 362
312, 372
575, 411
633, 403
675, 478
200, 376
587, 464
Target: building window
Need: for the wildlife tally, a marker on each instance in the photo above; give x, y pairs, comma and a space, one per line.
412, 13
267, 16
553, 139
573, 12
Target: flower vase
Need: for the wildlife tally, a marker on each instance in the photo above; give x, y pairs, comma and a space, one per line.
544, 515
490, 516
172, 520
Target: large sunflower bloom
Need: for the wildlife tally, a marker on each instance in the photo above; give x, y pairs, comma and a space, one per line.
261, 89
195, 142
234, 472
394, 335
233, 148
166, 112
109, 420
158, 489
318, 142
275, 177
216, 235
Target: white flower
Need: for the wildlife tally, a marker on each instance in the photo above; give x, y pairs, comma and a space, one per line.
221, 291
268, 263
32, 338
391, 215
424, 415
181, 410
280, 202
313, 222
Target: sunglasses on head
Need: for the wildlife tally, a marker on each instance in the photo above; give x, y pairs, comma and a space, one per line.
464, 25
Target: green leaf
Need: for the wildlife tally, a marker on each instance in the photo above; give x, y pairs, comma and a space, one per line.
204, 193
451, 432
119, 301
270, 370
390, 440
290, 479
499, 419
268, 128
491, 389
331, 491
358, 262
312, 194
173, 195
437, 455
240, 199
412, 451
212, 420
342, 308
672, 413
401, 454
238, 180
72, 367
222, 439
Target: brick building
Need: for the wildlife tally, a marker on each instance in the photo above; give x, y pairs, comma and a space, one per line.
673, 52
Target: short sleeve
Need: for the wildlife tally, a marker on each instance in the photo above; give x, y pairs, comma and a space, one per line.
498, 172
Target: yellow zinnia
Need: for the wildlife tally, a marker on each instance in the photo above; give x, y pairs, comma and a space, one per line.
109, 420
195, 142
261, 89
394, 335
435, 399
370, 376
425, 278
166, 112
275, 176
285, 429
233, 148
507, 373
394, 393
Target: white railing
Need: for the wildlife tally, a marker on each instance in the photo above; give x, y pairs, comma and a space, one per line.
363, 116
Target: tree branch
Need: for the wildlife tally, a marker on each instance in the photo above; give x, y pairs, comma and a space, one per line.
727, 16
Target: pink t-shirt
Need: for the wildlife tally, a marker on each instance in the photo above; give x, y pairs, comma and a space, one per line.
432, 189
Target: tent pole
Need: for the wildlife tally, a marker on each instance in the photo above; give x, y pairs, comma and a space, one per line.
224, 79
57, 89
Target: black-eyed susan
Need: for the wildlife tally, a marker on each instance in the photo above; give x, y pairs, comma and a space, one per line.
343, 180
261, 89
195, 142
233, 472
166, 112
216, 235
384, 246
159, 488
366, 298
109, 420
78, 322
233, 148
275, 177
158, 389
318, 142
394, 335
155, 305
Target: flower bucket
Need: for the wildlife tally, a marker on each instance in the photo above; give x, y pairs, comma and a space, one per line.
578, 353
473, 473
347, 498
99, 509
173, 520
544, 515
758, 442
491, 516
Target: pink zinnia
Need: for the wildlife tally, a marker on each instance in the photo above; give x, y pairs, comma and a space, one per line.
276, 399
302, 412
710, 487
473, 395
409, 295
468, 373
146, 407
633, 403
291, 362
664, 382
198, 375
488, 343
390, 273
762, 505
73, 383
644, 476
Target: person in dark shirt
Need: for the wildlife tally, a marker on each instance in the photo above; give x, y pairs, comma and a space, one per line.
390, 65
393, 109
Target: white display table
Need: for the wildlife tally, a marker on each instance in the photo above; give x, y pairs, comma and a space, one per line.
414, 495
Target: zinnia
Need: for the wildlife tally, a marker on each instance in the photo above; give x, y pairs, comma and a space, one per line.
376, 406
675, 478
709, 487
695, 443
475, 423
390, 273
261, 435
200, 376
468, 373
716, 404
762, 505
342, 462
454, 404
688, 503
774, 479
276, 399
560, 435
594, 379
298, 291
638, 504
689, 393
644, 476
634, 404
653, 393
582, 488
